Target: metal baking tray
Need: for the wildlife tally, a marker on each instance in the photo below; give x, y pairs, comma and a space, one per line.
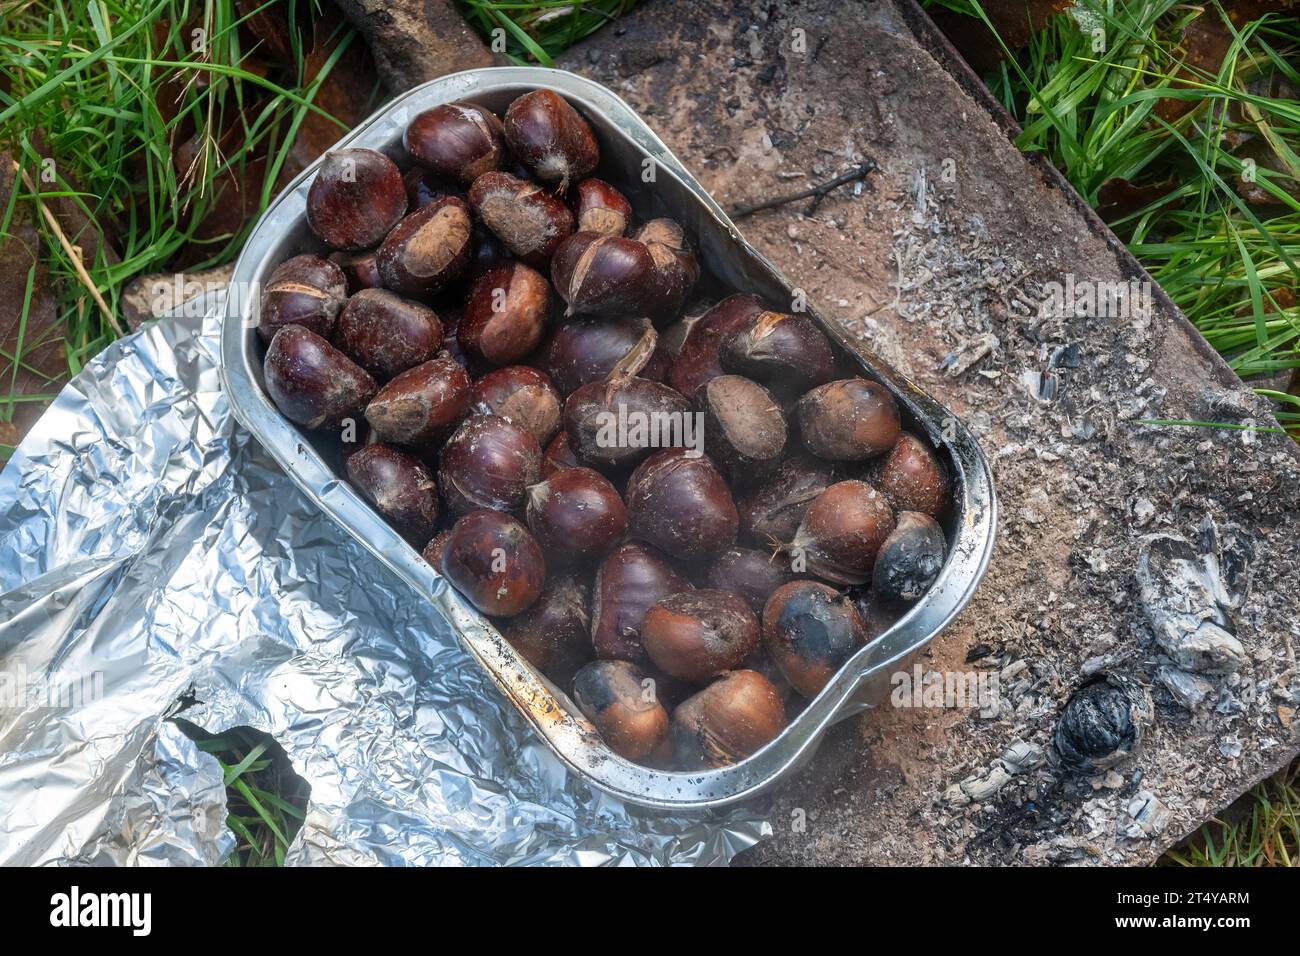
730, 263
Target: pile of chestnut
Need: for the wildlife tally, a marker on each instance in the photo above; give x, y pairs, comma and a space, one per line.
686, 522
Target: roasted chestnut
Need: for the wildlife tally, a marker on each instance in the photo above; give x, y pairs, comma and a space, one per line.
609, 275
787, 353
729, 720
615, 423
488, 463
851, 419
744, 429
360, 269
492, 559
387, 334
842, 532
602, 208
678, 501
305, 290
810, 630
460, 141
694, 635
754, 575
528, 221
912, 478
771, 514
432, 552
576, 515
697, 362
548, 136
399, 486
675, 268
355, 199
554, 635
620, 700
505, 316
521, 395
312, 382
558, 456
628, 583
584, 350
909, 560
421, 405
427, 249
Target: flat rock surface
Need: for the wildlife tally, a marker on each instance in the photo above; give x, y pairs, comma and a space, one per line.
1105, 562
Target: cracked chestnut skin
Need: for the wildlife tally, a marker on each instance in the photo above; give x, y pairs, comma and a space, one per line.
427, 249
305, 290
732, 718
521, 395
492, 560
506, 314
810, 630
529, 221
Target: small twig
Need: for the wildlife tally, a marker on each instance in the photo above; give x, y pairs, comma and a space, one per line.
817, 193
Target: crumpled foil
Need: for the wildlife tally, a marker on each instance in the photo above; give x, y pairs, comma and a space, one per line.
151, 551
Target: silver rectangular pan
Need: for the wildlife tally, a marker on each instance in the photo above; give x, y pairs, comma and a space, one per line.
730, 263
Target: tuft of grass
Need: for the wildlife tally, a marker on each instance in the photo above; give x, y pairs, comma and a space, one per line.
1262, 829
538, 32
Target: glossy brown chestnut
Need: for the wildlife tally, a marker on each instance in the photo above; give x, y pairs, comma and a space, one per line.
488, 463
584, 350
605, 275
851, 419
679, 502
427, 249
729, 720
620, 700
771, 513
558, 456
312, 382
386, 334
648, 410
548, 136
912, 477
754, 575
810, 630
530, 222
628, 583
787, 353
602, 208
419, 407
576, 515
521, 395
744, 429
305, 290
910, 559
355, 199
458, 141
361, 269
695, 635
399, 486
432, 552
675, 268
505, 316
697, 362
554, 635
494, 562
842, 532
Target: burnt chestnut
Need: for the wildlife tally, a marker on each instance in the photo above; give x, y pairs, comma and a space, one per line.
529, 222
548, 136
909, 560
753, 575
912, 477
312, 382
554, 635
771, 514
744, 429
584, 350
615, 423
631, 580
810, 630
305, 290
679, 502
488, 463
421, 405
729, 720
360, 269
697, 362
427, 249
695, 635
423, 187
505, 316
558, 456
576, 515
399, 486
355, 199
521, 395
459, 141
842, 532
602, 208
386, 334
608, 275
494, 562
787, 353
620, 700
675, 268
851, 419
